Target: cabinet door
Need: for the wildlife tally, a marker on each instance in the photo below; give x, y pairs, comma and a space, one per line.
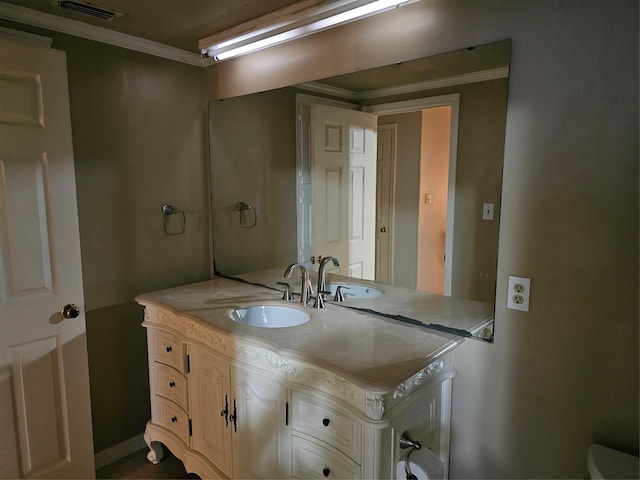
262, 442
209, 389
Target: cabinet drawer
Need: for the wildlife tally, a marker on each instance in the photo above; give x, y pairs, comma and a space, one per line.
311, 460
169, 383
169, 415
313, 415
166, 348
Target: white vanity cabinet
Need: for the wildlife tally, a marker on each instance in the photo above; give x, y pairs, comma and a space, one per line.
238, 417
233, 406
230, 418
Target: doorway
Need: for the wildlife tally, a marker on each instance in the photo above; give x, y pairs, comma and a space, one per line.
423, 212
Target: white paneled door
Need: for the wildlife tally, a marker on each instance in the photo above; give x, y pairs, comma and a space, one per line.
385, 202
343, 178
45, 416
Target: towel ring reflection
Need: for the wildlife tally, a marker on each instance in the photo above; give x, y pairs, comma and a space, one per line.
167, 212
243, 208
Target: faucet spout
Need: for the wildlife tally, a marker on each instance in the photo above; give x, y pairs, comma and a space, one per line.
321, 279
306, 290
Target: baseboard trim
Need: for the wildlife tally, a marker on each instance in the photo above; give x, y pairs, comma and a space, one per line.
121, 450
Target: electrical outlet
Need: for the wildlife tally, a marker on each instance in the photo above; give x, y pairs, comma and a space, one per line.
518, 293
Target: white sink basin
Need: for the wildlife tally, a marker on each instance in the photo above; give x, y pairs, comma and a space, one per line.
269, 316
354, 291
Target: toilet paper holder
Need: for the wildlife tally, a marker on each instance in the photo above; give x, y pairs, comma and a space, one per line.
407, 442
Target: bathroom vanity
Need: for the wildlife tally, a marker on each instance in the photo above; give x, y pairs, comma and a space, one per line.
327, 398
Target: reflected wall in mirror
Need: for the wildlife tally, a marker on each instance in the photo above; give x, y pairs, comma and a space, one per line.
440, 135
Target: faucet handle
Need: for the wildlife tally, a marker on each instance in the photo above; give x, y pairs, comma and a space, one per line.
287, 291
339, 296
319, 303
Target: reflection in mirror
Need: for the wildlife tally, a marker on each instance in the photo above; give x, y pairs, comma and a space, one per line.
430, 199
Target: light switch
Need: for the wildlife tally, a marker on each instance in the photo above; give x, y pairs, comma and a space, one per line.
487, 211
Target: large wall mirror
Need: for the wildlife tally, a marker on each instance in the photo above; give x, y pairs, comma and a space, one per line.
429, 206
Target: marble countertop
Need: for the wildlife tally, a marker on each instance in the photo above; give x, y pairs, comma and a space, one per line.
373, 352
455, 315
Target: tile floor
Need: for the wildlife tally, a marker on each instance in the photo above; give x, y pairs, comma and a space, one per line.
136, 466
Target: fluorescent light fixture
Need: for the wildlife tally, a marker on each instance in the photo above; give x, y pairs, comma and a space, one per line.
297, 21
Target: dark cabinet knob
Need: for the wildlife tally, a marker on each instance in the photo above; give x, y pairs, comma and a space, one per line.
174, 419
326, 422
172, 384
326, 472
169, 349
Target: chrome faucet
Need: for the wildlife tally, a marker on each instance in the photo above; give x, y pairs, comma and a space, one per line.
307, 290
321, 280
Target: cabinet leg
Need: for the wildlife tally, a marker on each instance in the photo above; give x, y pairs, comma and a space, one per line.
155, 448
155, 453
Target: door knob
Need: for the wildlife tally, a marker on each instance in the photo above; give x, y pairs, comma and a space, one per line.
70, 310
383, 229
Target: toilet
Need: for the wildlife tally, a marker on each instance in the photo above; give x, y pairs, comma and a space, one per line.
604, 462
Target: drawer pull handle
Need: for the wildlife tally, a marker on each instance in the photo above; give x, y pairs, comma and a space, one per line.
326, 472
225, 413
172, 384
326, 422
169, 349
234, 416
174, 419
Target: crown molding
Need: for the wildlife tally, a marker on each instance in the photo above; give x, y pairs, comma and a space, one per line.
474, 77
317, 87
25, 37
90, 32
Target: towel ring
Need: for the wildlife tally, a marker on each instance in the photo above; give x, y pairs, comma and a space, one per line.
243, 208
167, 212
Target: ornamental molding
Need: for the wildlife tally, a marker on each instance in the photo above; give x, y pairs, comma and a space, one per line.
374, 407
418, 379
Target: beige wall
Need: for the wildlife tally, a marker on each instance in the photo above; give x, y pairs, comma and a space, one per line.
253, 160
139, 138
481, 137
139, 130
565, 374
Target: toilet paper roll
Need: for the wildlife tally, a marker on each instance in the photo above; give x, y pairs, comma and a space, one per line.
424, 464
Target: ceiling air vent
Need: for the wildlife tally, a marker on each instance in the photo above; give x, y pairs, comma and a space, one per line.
87, 9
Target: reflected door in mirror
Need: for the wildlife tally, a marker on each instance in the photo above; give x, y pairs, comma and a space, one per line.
343, 156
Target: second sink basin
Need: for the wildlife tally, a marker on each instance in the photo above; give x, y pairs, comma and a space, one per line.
355, 291
269, 316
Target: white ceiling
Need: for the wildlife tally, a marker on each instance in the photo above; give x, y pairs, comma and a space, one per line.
177, 23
